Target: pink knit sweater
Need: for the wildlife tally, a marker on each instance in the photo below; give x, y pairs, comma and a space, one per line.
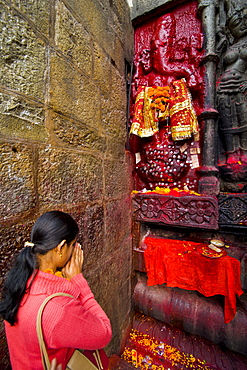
67, 323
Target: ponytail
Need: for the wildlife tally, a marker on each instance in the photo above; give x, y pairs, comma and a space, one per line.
48, 231
15, 283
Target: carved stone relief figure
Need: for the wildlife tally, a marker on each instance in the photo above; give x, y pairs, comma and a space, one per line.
169, 56
168, 49
232, 96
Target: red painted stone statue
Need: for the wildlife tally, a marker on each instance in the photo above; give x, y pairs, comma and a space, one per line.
168, 54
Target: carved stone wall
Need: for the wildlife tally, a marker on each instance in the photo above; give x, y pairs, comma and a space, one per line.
63, 105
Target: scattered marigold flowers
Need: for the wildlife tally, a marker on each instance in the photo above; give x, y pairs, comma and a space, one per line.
147, 353
167, 191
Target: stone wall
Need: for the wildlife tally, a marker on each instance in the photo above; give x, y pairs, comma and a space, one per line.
140, 8
63, 133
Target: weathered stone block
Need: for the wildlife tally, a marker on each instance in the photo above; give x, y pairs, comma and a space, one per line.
118, 223
72, 39
95, 17
64, 61
123, 29
113, 278
118, 93
119, 54
113, 119
102, 70
77, 134
99, 20
23, 56
119, 7
112, 274
128, 43
117, 178
94, 236
67, 177
141, 7
12, 239
22, 119
77, 211
115, 148
117, 26
72, 93
37, 11
17, 180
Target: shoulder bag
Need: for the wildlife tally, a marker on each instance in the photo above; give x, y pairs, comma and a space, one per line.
78, 361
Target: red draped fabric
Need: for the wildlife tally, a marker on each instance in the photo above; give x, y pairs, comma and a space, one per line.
181, 264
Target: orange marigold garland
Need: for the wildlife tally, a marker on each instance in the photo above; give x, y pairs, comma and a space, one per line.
159, 96
147, 353
156, 103
151, 105
57, 273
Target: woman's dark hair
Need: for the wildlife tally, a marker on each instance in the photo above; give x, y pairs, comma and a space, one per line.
48, 231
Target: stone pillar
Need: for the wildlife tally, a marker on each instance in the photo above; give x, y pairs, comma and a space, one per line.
209, 183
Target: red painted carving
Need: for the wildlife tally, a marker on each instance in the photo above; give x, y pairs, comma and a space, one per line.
168, 49
188, 210
172, 165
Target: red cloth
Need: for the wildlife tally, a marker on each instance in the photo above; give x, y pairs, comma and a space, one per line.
67, 323
180, 264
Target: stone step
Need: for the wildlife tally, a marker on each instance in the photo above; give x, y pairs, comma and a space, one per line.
193, 313
154, 343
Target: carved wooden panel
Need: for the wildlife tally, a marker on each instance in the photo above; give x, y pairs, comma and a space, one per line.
190, 210
233, 209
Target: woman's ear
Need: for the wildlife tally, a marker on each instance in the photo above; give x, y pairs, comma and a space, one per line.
60, 246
